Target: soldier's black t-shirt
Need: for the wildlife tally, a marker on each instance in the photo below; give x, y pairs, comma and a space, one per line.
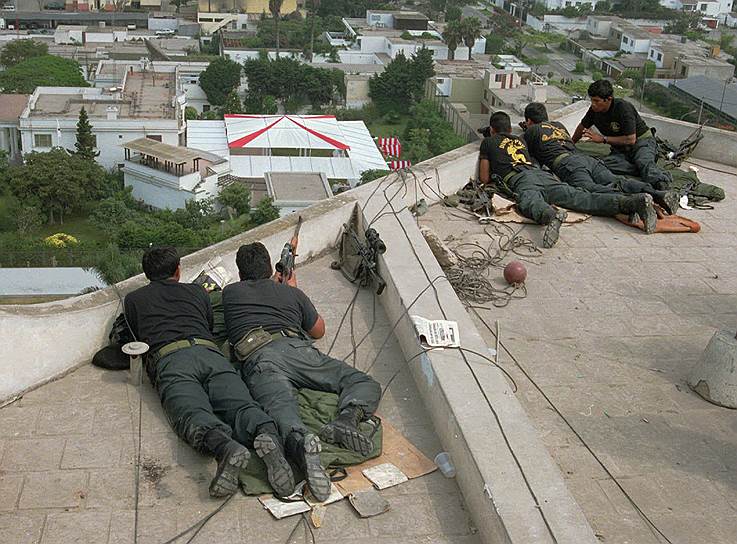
548, 140
166, 311
268, 304
504, 152
621, 119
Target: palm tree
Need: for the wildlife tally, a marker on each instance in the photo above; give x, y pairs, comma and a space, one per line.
275, 9
452, 35
315, 5
470, 31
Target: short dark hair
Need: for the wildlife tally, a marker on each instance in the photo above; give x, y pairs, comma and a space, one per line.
536, 112
601, 89
160, 263
500, 122
253, 261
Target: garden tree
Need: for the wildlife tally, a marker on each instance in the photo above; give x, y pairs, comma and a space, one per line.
134, 235
61, 183
219, 78
27, 218
275, 9
17, 51
269, 105
470, 32
453, 13
402, 82
438, 6
265, 211
725, 41
418, 145
442, 138
453, 35
371, 175
190, 113
391, 90
178, 4
314, 6
236, 196
85, 140
114, 265
649, 69
43, 71
423, 68
111, 213
232, 103
682, 23
596, 75
494, 44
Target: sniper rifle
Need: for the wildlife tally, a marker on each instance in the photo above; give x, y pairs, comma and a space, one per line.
285, 266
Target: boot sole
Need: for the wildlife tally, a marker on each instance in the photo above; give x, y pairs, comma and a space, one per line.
317, 479
226, 481
346, 437
278, 471
648, 215
552, 231
672, 202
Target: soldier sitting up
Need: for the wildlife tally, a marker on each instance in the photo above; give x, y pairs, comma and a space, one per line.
537, 192
271, 326
621, 127
205, 400
551, 145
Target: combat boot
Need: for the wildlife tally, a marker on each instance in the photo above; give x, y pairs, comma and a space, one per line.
552, 230
669, 200
269, 449
305, 452
642, 205
343, 431
231, 457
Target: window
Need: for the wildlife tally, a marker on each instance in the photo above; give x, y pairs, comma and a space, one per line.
660, 57
625, 40
155, 137
42, 140
702, 7
683, 71
205, 107
376, 18
499, 78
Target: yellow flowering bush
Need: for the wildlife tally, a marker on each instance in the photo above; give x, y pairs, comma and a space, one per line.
60, 239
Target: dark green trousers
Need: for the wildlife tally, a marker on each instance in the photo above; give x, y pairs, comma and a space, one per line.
590, 174
644, 156
277, 370
537, 191
200, 390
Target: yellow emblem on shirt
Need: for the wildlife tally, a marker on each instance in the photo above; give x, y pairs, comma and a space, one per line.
512, 147
556, 134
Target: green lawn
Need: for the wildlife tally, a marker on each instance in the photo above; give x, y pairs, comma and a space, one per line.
79, 227
382, 128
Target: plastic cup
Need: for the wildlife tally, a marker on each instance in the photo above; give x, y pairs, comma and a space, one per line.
442, 460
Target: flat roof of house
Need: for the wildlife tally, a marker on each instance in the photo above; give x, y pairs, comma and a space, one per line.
460, 68
298, 186
410, 15
11, 106
172, 153
146, 95
711, 91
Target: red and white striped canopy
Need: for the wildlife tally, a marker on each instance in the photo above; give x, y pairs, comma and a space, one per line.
284, 131
390, 146
399, 165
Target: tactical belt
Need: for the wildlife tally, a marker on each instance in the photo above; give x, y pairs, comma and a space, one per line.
559, 158
181, 344
257, 338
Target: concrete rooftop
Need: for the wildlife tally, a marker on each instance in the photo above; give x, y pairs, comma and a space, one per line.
67, 455
612, 325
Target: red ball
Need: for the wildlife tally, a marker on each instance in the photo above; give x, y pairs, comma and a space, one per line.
515, 273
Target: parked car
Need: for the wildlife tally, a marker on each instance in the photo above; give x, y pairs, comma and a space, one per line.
8, 7
58, 6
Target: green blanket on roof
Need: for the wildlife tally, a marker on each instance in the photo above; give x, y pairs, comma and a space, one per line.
685, 182
317, 409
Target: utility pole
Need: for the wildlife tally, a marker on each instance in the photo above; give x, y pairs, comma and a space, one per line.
701, 109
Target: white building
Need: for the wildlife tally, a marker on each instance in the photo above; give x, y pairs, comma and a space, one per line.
145, 105
562, 4
712, 8
258, 144
167, 176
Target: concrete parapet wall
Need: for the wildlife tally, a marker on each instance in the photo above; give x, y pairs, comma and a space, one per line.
41, 342
511, 485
